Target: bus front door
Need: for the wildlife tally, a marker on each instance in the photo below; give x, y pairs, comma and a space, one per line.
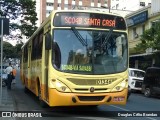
45, 70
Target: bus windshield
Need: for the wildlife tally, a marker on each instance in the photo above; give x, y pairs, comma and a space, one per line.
89, 51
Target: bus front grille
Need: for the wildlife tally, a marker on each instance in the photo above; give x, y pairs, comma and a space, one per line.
90, 98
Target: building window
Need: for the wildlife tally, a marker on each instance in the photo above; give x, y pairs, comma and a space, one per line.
117, 5
106, 1
155, 23
135, 35
92, 0
59, 5
143, 29
66, 5
142, 3
48, 11
49, 4
99, 1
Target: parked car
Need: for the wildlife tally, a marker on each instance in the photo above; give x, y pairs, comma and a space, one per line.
4, 78
136, 77
151, 83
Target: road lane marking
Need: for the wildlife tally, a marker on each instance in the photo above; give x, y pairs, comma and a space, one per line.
131, 111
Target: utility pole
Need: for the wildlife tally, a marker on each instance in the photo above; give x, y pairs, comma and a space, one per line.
1, 54
1, 58
3, 21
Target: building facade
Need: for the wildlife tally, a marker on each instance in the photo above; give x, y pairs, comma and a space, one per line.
44, 7
129, 5
138, 22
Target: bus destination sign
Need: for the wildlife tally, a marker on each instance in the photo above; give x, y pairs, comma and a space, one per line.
89, 20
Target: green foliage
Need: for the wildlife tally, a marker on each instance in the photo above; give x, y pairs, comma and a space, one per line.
10, 51
18, 50
22, 15
150, 39
29, 15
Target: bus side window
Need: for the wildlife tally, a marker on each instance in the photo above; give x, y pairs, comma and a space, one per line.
48, 41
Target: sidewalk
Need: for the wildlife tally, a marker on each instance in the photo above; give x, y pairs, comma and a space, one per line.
7, 103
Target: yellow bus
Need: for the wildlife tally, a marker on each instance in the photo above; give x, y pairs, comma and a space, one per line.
77, 57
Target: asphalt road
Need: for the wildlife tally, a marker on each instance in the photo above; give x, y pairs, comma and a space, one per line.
137, 105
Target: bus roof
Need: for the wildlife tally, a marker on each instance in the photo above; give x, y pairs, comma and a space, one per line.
86, 11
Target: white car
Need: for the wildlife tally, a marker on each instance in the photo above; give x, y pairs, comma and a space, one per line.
136, 77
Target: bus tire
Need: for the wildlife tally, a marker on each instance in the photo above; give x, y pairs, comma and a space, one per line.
41, 102
92, 106
26, 89
147, 92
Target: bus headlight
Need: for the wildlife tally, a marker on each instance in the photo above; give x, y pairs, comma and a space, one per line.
120, 86
61, 87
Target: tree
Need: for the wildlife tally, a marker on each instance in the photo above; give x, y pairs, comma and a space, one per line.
8, 50
22, 15
30, 17
18, 49
150, 39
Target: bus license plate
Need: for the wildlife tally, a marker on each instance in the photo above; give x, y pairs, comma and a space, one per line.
118, 99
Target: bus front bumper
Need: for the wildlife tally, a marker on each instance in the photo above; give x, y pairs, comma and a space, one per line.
57, 98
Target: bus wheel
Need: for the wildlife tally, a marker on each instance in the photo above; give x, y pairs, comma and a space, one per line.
147, 92
41, 102
26, 89
92, 106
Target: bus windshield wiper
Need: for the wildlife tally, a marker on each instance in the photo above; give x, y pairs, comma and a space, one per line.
107, 37
79, 36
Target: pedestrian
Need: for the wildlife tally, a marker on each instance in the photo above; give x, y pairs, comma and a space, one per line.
8, 70
14, 75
